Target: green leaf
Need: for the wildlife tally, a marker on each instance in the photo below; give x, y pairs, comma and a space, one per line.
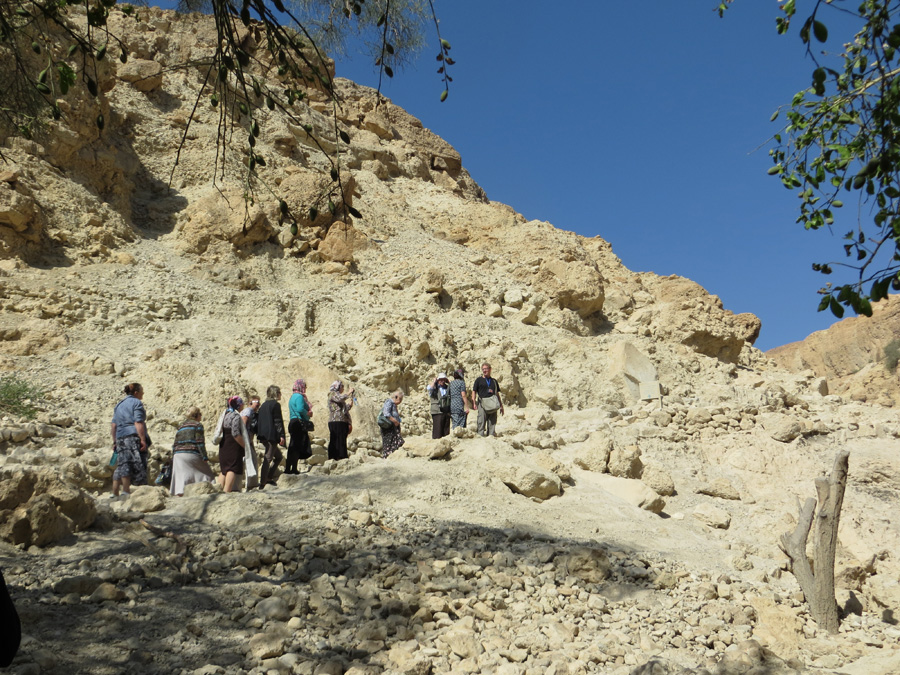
774, 169
100, 122
445, 44
820, 31
444, 95
865, 307
313, 213
836, 308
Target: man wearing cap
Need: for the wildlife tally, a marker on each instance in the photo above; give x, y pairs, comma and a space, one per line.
439, 395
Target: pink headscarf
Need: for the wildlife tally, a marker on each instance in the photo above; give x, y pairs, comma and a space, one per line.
300, 388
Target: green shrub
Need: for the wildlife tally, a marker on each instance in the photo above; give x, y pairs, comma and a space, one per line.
892, 355
18, 396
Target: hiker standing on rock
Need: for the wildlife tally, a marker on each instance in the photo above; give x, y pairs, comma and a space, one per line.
189, 461
339, 423
439, 395
234, 442
129, 432
459, 399
300, 412
250, 417
391, 439
486, 400
270, 431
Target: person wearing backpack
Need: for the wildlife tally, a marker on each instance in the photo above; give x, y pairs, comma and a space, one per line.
270, 432
439, 395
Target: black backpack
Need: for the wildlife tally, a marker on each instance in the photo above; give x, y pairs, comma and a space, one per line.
252, 422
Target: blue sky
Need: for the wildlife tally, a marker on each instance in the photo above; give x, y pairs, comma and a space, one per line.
638, 122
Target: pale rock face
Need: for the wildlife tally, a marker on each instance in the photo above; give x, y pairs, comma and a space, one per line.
850, 355
628, 368
142, 74
687, 314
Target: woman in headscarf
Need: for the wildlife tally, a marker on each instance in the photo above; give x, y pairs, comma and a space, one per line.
439, 395
339, 423
234, 442
459, 399
298, 427
189, 461
390, 437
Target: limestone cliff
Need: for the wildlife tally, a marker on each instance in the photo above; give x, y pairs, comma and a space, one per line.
850, 354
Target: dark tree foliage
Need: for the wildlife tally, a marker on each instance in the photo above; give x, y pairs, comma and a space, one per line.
39, 71
842, 142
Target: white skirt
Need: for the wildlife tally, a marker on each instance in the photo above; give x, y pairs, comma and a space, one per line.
187, 468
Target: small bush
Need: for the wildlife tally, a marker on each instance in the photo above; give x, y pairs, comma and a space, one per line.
18, 396
892, 355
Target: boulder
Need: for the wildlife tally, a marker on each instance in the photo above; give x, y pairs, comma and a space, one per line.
147, 498
528, 481
720, 488
47, 524
342, 242
658, 480
634, 492
780, 427
420, 446
593, 454
712, 516
625, 462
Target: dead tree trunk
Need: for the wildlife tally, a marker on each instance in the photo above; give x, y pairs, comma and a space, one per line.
817, 583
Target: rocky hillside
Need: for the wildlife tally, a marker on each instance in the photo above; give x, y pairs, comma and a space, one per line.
605, 529
851, 355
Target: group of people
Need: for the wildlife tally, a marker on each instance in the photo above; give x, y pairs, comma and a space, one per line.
451, 402
241, 426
